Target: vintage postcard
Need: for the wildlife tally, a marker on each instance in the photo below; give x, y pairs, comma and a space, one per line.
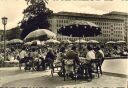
64, 43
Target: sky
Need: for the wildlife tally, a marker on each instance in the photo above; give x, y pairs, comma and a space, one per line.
13, 9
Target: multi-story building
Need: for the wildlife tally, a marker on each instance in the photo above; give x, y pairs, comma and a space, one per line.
112, 26
123, 16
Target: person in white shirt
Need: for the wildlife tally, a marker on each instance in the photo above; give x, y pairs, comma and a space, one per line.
22, 54
90, 54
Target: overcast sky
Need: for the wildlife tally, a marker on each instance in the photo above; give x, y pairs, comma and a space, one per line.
13, 8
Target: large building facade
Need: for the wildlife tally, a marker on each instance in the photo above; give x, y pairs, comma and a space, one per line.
113, 27
124, 16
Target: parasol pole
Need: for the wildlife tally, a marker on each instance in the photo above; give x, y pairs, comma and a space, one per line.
79, 45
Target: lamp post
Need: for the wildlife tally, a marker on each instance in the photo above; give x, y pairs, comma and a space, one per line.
4, 22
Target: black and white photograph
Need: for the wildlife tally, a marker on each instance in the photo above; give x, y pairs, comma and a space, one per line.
63, 43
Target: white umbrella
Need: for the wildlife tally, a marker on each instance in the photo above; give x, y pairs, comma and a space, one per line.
28, 43
66, 41
110, 42
15, 41
121, 42
37, 42
92, 41
52, 41
80, 41
40, 34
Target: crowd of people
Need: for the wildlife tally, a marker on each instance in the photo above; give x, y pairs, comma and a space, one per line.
109, 51
36, 58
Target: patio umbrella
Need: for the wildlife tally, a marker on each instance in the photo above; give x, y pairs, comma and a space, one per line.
40, 34
92, 41
80, 41
110, 42
52, 41
35, 42
80, 29
28, 43
120, 42
15, 41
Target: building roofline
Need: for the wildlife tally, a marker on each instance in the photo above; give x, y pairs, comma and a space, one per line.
85, 15
117, 13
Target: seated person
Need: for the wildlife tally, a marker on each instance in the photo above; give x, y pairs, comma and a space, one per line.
60, 56
71, 57
99, 54
90, 55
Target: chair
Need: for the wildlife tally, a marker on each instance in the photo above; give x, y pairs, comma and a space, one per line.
63, 70
86, 70
54, 67
96, 66
74, 73
85, 66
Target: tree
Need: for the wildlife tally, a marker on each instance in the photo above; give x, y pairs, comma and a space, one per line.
35, 16
13, 33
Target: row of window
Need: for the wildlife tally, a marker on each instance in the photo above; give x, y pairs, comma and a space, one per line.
102, 27
117, 35
114, 39
62, 21
59, 25
105, 31
108, 35
117, 32
66, 17
98, 23
108, 23
115, 28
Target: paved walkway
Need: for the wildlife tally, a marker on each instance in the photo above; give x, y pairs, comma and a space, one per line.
116, 66
13, 77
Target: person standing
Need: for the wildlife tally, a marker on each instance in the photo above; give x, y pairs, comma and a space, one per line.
22, 57
50, 57
33, 58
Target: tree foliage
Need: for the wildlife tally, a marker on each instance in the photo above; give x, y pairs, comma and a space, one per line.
35, 16
13, 33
